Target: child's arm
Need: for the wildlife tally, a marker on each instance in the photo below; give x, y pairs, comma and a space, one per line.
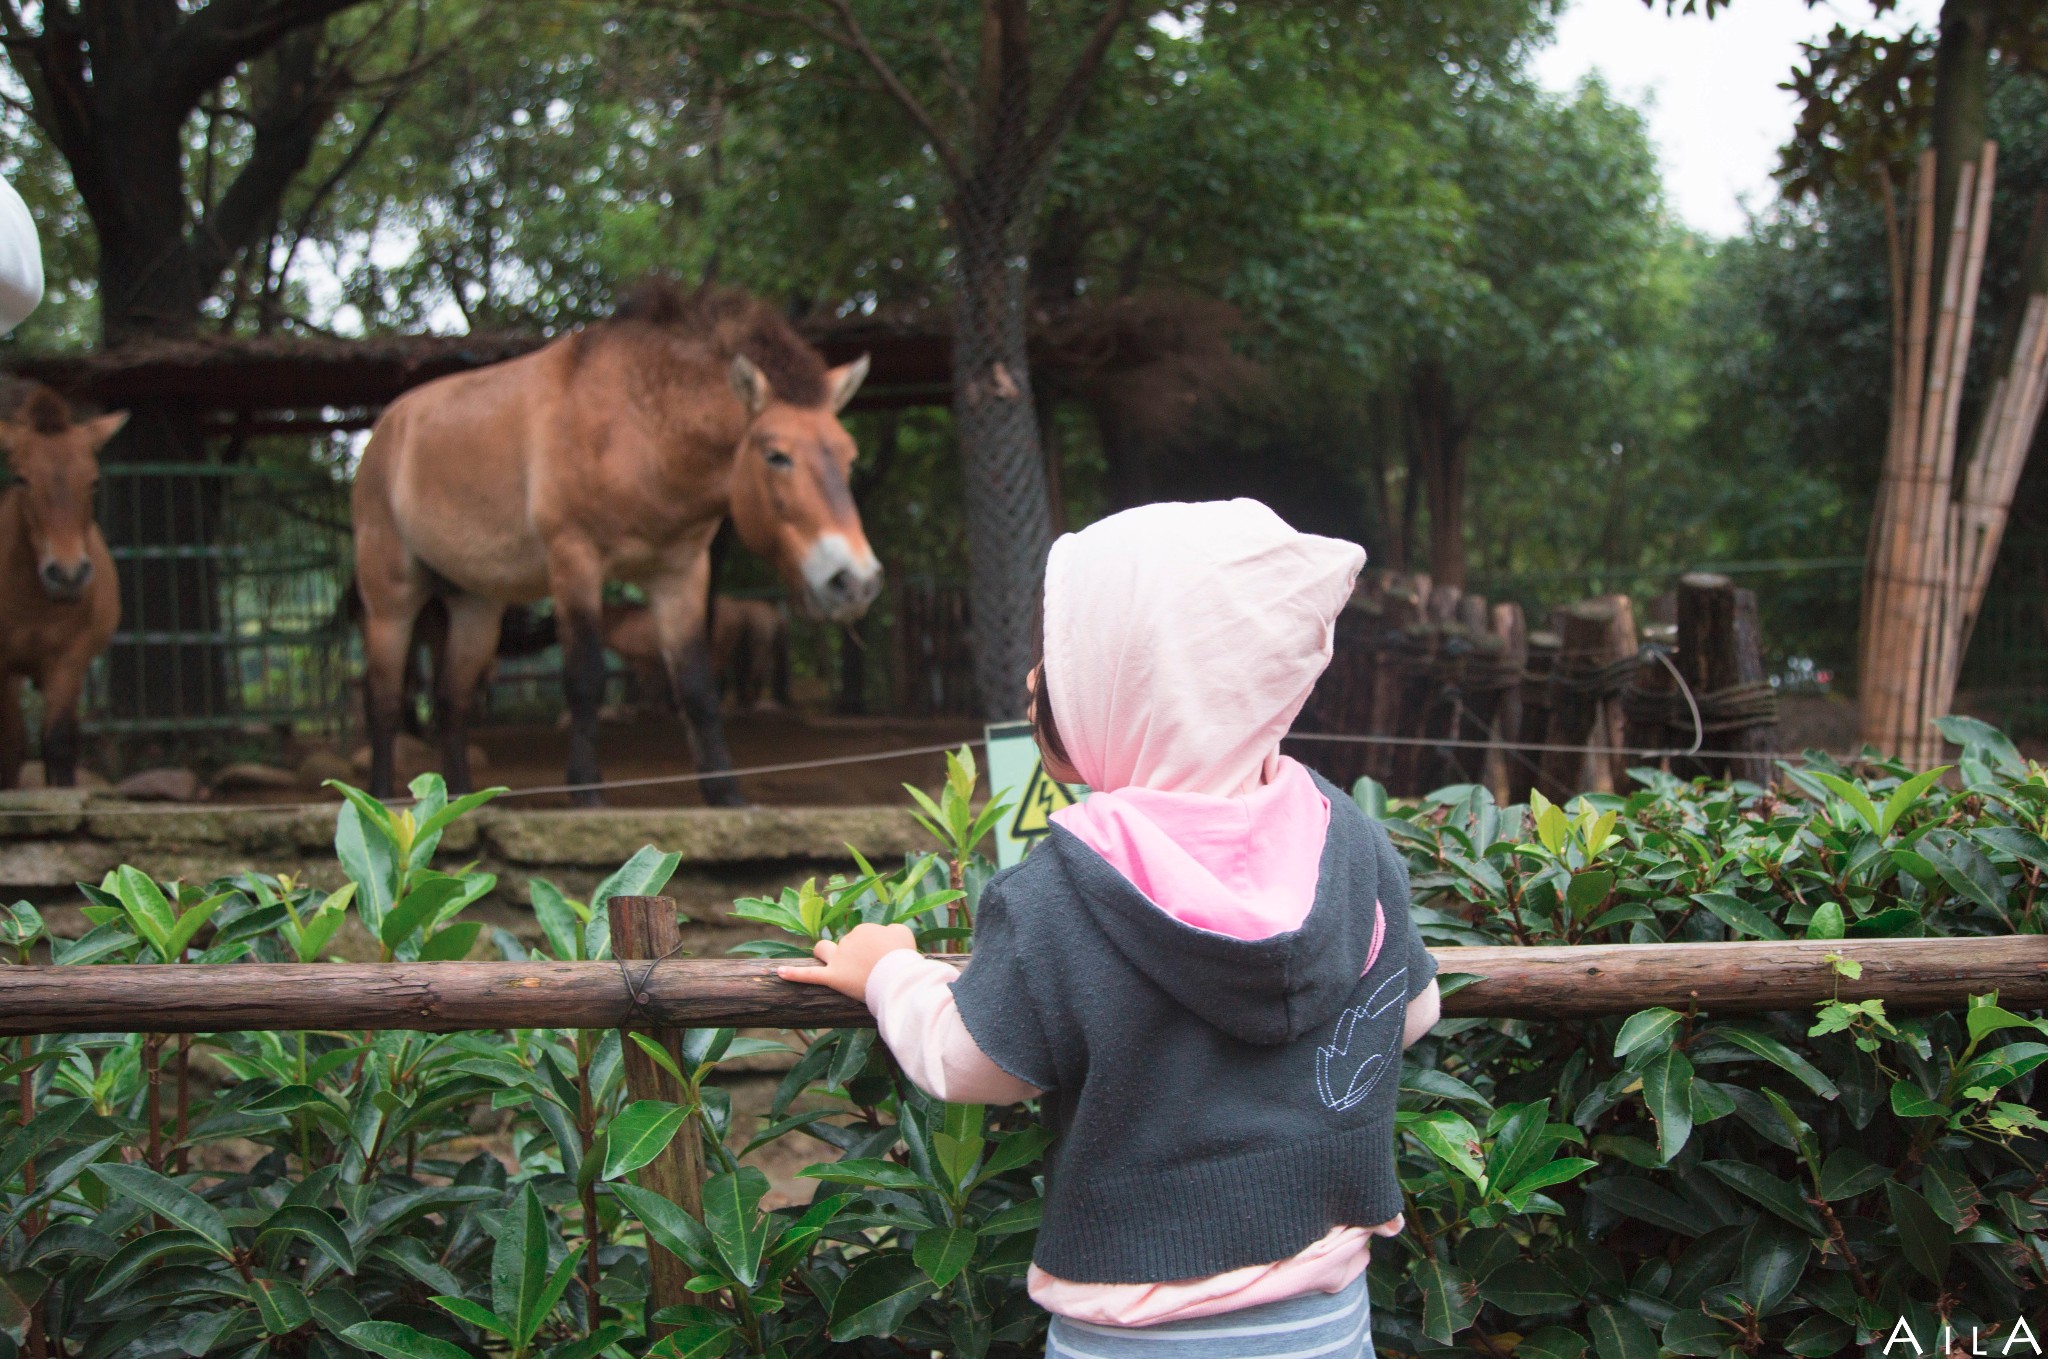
1423, 1013
911, 997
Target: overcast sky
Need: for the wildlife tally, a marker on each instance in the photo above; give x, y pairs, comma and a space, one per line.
1710, 88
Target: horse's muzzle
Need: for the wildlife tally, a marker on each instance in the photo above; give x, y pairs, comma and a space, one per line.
63, 582
839, 584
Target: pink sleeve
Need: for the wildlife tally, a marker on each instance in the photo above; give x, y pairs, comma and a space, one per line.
911, 997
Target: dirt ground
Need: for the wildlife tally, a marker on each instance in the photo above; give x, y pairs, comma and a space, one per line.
534, 755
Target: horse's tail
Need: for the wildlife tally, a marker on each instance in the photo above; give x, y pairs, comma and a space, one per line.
348, 608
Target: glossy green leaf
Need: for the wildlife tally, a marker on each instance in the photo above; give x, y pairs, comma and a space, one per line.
1739, 916
641, 1132
1619, 1333
1667, 1091
696, 1340
1646, 1028
395, 1340
732, 1215
1826, 921
451, 944
1924, 1238
314, 1225
1779, 1196
475, 1314
1450, 1301
167, 1199
942, 1254
519, 1260
672, 1228
1524, 1287
281, 1304
877, 1295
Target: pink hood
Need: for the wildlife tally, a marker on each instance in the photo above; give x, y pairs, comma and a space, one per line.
1180, 642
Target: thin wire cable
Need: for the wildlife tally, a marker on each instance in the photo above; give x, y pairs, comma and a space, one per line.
285, 808
940, 748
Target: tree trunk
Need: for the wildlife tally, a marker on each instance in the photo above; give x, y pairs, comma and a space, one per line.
1439, 442
1009, 505
1962, 89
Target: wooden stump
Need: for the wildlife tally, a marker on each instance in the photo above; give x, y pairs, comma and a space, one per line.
1575, 704
1534, 699
1505, 720
1611, 728
1646, 709
1721, 656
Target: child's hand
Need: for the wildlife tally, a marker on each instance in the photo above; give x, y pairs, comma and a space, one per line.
847, 962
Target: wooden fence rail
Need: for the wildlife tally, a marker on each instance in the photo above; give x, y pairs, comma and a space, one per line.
1525, 983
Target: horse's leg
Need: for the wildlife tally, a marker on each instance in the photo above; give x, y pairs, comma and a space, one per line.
62, 682
576, 579
779, 649
468, 649
678, 603
13, 732
391, 601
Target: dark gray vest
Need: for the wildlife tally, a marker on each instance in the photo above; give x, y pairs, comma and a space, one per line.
1218, 1102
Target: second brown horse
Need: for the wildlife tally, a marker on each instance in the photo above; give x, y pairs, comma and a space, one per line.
59, 599
610, 454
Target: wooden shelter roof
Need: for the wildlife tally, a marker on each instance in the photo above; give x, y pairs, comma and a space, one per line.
243, 375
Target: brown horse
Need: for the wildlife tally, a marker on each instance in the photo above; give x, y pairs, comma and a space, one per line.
59, 597
610, 454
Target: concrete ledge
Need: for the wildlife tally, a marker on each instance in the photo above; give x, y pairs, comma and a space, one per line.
608, 838
50, 840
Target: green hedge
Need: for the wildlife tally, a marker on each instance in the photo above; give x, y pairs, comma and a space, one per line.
1664, 1183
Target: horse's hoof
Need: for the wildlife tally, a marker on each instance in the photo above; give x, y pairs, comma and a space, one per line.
587, 798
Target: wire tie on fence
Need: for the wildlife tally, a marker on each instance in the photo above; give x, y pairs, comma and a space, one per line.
637, 995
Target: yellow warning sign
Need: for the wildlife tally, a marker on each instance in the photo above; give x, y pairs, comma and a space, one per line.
1042, 797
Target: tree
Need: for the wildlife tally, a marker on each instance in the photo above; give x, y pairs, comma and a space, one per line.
183, 127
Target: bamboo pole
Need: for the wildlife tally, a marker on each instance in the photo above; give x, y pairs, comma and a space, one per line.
1532, 983
1927, 497
1881, 698
1944, 623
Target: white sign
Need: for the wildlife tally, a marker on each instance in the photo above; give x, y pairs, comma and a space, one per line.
1017, 775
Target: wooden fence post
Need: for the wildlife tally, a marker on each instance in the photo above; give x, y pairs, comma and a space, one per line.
1646, 704
1505, 720
1622, 643
644, 929
1574, 701
1534, 701
1706, 647
1721, 657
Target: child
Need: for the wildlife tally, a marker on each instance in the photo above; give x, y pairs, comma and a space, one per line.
1206, 971
21, 260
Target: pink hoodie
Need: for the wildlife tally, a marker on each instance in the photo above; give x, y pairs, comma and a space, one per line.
1181, 640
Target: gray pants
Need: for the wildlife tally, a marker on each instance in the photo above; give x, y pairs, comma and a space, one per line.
1313, 1326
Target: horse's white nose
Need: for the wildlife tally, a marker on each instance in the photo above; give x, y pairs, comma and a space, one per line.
66, 581
841, 584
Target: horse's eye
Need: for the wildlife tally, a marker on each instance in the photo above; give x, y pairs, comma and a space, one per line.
779, 460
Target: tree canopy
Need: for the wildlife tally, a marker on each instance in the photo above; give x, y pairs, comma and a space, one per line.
1376, 273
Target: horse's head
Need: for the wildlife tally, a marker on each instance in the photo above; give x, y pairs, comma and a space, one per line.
790, 499
58, 464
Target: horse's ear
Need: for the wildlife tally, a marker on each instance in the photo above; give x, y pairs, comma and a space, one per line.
749, 384
842, 382
103, 428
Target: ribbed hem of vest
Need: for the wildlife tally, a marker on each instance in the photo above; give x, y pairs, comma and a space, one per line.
1196, 1219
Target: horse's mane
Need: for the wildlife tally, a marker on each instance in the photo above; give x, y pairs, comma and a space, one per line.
43, 411
730, 322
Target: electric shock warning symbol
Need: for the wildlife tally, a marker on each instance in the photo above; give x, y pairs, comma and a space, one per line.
1042, 797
